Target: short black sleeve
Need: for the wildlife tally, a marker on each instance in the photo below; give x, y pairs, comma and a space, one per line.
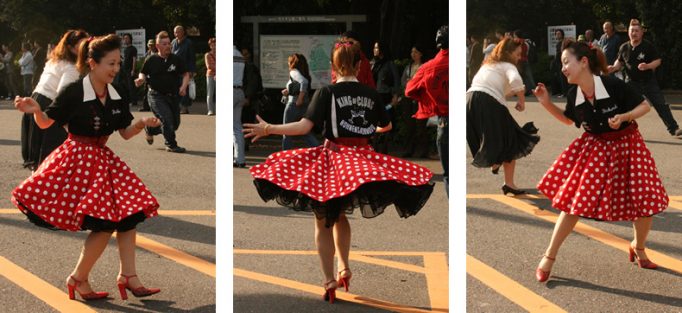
570, 111
318, 106
651, 51
61, 110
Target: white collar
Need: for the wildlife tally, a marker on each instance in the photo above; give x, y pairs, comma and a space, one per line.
599, 91
347, 79
89, 91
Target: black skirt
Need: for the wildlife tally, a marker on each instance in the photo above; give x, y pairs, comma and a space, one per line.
36, 143
493, 135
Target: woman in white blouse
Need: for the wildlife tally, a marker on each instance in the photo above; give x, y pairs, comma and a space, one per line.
494, 137
60, 71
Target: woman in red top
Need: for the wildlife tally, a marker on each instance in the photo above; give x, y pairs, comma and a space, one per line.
343, 174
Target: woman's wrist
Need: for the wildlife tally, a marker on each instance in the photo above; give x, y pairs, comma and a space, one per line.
265, 129
137, 125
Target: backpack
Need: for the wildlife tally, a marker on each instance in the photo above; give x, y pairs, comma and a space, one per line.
532, 52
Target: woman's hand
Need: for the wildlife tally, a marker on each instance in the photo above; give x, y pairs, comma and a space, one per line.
520, 106
257, 131
285, 92
26, 104
618, 119
541, 93
151, 121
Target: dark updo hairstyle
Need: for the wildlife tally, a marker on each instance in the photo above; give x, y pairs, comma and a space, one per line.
96, 48
595, 57
63, 49
346, 57
298, 61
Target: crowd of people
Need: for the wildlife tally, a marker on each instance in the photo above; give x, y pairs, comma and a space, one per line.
596, 177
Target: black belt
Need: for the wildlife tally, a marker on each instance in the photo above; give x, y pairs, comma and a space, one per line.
237, 87
170, 94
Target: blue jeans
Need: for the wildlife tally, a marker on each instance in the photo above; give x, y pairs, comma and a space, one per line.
443, 147
166, 108
210, 93
294, 113
237, 135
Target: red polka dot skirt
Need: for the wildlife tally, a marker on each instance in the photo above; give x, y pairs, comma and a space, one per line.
610, 177
84, 186
335, 178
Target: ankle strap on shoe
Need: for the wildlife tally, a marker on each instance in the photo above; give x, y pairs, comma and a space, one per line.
549, 257
344, 270
78, 282
127, 277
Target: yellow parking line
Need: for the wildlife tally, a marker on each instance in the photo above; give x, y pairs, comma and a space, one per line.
318, 290
676, 198
387, 263
509, 288
437, 281
313, 252
592, 232
161, 212
176, 255
675, 205
42, 290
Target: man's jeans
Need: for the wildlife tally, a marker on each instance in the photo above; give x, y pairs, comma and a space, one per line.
166, 108
653, 93
443, 147
239, 153
294, 113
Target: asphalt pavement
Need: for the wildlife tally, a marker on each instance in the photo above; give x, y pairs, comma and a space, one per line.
507, 236
176, 250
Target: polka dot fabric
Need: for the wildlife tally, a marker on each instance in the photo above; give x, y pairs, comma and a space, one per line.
610, 178
78, 180
322, 174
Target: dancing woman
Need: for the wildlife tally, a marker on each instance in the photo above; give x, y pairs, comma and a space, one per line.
59, 72
494, 137
83, 185
343, 174
607, 173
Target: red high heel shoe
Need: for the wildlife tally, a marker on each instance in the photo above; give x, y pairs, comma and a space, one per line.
647, 264
344, 280
85, 296
329, 292
541, 275
137, 292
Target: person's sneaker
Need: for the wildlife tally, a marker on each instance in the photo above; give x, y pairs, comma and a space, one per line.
210, 114
176, 149
184, 110
239, 165
148, 137
677, 133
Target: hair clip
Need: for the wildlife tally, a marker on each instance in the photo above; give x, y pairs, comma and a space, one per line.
343, 44
91, 38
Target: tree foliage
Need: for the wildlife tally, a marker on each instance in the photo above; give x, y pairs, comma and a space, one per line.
661, 17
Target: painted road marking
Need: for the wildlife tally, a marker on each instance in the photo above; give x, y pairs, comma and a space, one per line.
161, 212
435, 269
41, 289
176, 255
509, 288
291, 284
589, 231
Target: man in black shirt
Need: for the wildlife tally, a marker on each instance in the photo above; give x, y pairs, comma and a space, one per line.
39, 57
128, 67
163, 71
640, 59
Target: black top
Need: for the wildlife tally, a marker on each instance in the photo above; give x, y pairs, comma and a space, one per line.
631, 57
386, 76
129, 53
162, 74
78, 106
612, 96
347, 109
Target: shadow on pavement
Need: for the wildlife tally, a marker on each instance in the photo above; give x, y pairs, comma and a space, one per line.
179, 229
556, 282
663, 142
148, 306
9, 142
269, 211
269, 302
